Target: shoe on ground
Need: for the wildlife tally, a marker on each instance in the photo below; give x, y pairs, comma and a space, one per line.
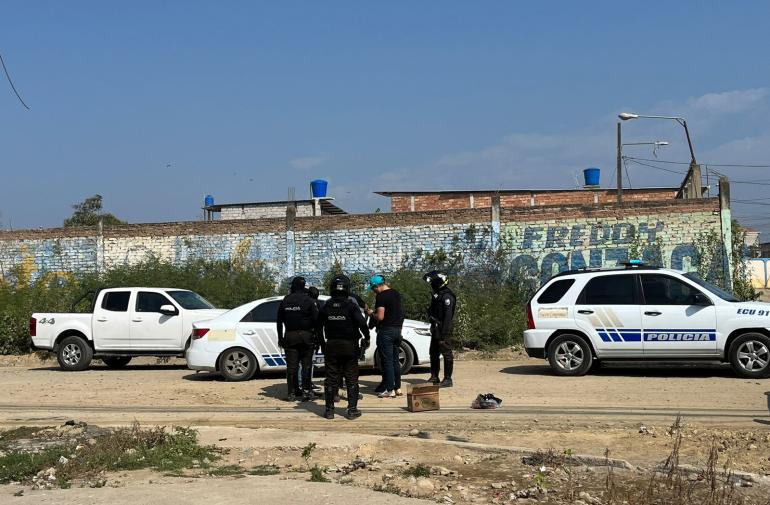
398, 392
291, 398
307, 396
387, 394
446, 383
329, 414
434, 380
353, 414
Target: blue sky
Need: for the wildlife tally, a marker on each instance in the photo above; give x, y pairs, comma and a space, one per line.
155, 104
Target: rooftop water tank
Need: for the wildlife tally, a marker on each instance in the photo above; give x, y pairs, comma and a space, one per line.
318, 188
591, 176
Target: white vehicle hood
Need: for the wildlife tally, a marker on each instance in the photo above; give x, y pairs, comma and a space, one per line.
412, 323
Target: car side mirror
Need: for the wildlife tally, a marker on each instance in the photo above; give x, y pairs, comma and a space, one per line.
168, 310
701, 300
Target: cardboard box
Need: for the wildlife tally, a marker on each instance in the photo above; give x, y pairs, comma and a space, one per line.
422, 397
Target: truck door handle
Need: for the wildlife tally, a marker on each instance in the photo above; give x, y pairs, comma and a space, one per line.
137, 319
249, 332
585, 311
652, 313
101, 319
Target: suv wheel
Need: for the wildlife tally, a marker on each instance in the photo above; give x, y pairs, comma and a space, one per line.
750, 355
237, 364
74, 354
570, 355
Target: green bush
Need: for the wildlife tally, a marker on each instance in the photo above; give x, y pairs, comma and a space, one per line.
224, 283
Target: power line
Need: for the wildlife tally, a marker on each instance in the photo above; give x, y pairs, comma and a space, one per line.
634, 160
10, 81
726, 165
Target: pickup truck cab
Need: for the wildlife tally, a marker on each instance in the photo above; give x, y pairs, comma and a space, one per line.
123, 323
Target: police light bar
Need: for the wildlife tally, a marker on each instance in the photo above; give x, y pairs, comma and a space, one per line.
633, 263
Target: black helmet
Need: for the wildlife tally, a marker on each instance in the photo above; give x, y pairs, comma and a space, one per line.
340, 285
297, 284
436, 279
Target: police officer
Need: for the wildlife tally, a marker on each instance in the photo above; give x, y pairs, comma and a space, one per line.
341, 324
299, 313
441, 311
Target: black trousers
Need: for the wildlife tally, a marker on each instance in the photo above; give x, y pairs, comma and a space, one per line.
296, 354
437, 349
341, 360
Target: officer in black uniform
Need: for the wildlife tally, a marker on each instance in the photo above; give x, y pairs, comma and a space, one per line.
341, 324
299, 313
441, 312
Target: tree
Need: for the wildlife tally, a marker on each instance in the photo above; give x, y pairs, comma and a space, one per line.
89, 212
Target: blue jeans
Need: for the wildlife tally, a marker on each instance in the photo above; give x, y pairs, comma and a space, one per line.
388, 345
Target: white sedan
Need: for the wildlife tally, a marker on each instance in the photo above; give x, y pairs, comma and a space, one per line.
243, 341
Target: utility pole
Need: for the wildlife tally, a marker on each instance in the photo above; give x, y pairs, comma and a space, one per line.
619, 167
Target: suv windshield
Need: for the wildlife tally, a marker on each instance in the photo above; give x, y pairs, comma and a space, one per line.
189, 300
721, 293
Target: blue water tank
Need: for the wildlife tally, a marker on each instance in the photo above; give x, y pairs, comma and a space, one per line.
208, 201
318, 188
591, 176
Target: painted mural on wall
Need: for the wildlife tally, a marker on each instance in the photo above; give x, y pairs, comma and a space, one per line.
543, 247
553, 248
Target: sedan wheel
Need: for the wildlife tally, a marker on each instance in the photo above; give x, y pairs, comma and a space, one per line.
237, 365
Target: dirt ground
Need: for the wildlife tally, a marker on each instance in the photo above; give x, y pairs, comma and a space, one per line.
627, 410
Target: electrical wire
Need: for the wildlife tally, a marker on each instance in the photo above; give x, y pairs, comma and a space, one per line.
628, 177
634, 160
725, 165
10, 81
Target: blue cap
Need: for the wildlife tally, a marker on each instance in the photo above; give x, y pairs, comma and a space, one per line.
376, 280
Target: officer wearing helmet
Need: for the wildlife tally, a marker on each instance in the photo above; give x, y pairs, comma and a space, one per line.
340, 327
298, 313
441, 312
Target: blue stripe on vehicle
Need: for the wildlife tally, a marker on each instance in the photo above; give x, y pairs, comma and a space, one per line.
269, 361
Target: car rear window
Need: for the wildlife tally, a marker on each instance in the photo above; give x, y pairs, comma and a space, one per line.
609, 290
555, 291
116, 301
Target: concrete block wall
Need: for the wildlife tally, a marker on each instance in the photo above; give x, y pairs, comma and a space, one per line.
547, 238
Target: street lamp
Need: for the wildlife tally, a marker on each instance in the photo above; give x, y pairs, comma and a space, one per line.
694, 168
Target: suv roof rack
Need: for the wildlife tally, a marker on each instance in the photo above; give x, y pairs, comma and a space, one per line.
625, 266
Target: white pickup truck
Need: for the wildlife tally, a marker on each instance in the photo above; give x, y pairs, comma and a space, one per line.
125, 322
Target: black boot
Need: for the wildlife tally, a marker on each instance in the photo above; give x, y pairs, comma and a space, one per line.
353, 411
446, 383
329, 402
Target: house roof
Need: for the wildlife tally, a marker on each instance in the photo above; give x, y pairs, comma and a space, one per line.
327, 207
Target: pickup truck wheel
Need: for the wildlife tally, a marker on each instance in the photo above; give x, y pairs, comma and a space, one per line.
117, 361
74, 354
237, 364
570, 355
750, 355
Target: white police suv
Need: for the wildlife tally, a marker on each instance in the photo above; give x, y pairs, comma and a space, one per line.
644, 313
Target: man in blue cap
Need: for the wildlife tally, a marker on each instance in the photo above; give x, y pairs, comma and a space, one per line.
389, 315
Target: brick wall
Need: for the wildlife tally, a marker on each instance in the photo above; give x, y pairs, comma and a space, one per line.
548, 238
444, 201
